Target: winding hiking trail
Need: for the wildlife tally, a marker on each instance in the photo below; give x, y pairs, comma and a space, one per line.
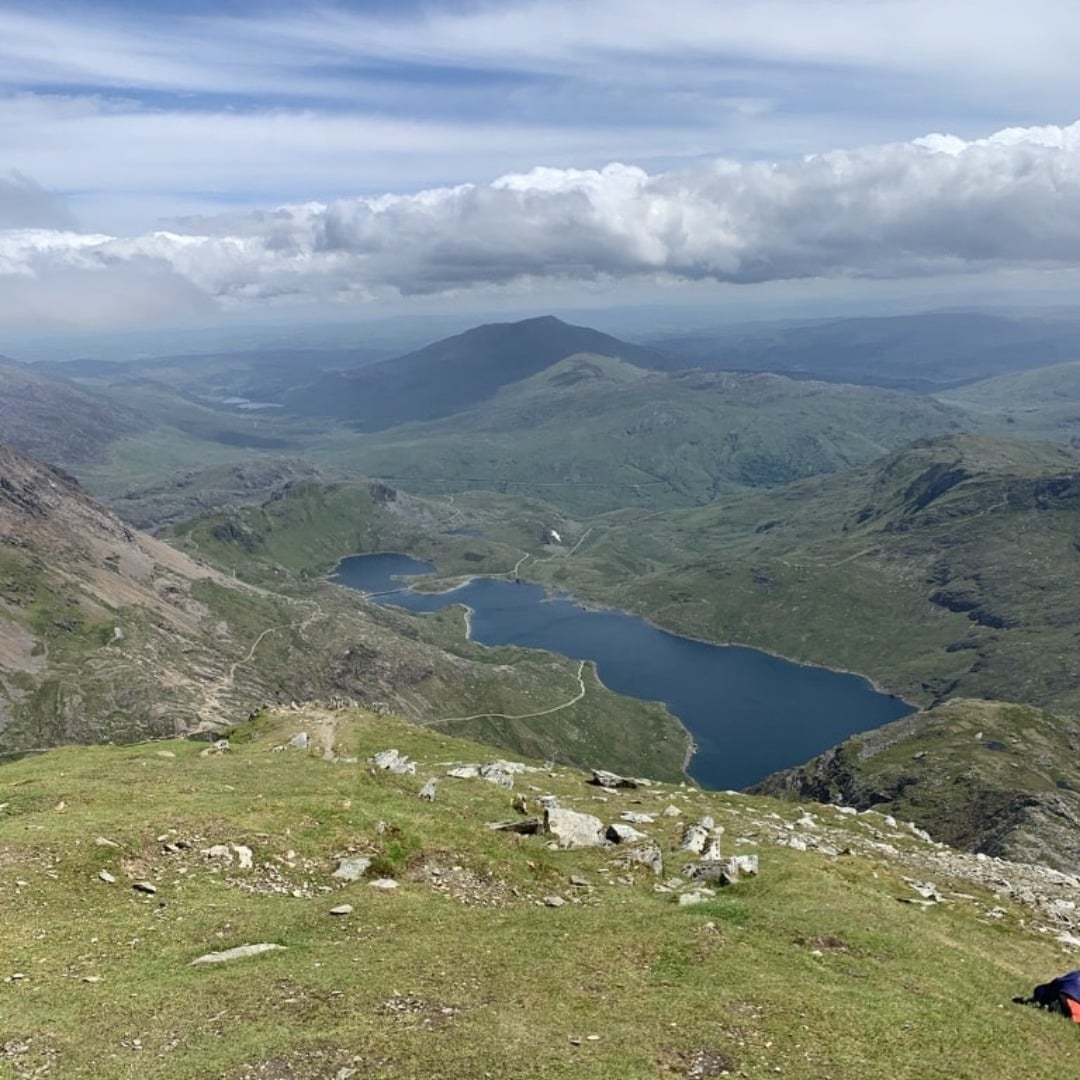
521, 716
299, 627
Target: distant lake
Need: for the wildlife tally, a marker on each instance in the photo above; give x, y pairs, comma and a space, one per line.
749, 713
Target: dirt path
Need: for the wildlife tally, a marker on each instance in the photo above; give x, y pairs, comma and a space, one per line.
521, 716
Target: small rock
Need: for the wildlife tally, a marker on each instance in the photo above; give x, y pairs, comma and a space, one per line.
144, 887
574, 830
618, 833
244, 855
352, 869
103, 841
697, 897
578, 881
554, 901
384, 883
427, 792
520, 804
240, 952
91, 978
606, 779
636, 818
392, 761
695, 837
671, 811
341, 909
524, 826
165, 754
464, 772
300, 741
106, 877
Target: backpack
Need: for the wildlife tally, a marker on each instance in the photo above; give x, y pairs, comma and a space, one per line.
1060, 995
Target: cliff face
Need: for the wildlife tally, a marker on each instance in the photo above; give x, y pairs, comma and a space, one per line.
981, 776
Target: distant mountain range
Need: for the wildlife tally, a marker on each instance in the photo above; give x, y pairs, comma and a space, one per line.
923, 352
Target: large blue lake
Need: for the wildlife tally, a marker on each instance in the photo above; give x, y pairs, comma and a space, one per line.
749, 713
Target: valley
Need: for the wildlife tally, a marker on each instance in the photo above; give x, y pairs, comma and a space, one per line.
924, 541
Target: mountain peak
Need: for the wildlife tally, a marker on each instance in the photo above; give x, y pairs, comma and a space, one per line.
458, 372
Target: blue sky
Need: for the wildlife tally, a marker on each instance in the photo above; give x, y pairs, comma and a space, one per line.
262, 137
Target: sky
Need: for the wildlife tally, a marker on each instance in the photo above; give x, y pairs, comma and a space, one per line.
181, 162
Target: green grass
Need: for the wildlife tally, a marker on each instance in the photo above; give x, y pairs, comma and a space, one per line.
812, 968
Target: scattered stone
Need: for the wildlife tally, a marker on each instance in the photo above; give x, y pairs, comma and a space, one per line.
427, 792
723, 871
464, 772
697, 896
648, 855
218, 746
549, 802
495, 775
144, 887
796, 843
384, 883
352, 869
165, 754
636, 818
696, 836
219, 851
502, 766
392, 761
671, 811
240, 952
574, 830
553, 901
605, 779
520, 804
244, 856
525, 826
341, 909
926, 889
618, 833
106, 877
91, 978
578, 881
300, 741
712, 850
104, 841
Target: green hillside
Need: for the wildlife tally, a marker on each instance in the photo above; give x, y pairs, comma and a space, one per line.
591, 434
107, 634
119, 867
946, 569
1043, 403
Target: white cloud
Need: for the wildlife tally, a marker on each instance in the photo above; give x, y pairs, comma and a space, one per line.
937, 205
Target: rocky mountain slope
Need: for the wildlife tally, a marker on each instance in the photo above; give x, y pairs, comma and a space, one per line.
107, 634
54, 419
339, 894
982, 776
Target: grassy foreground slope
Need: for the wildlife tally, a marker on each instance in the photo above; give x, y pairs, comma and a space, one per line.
812, 968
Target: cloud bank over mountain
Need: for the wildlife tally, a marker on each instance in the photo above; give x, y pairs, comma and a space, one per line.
935, 205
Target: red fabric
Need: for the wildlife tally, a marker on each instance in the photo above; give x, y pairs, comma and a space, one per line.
1072, 1008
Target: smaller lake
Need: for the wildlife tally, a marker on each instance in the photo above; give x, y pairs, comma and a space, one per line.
749, 713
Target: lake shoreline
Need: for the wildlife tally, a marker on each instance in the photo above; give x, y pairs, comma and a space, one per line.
719, 698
